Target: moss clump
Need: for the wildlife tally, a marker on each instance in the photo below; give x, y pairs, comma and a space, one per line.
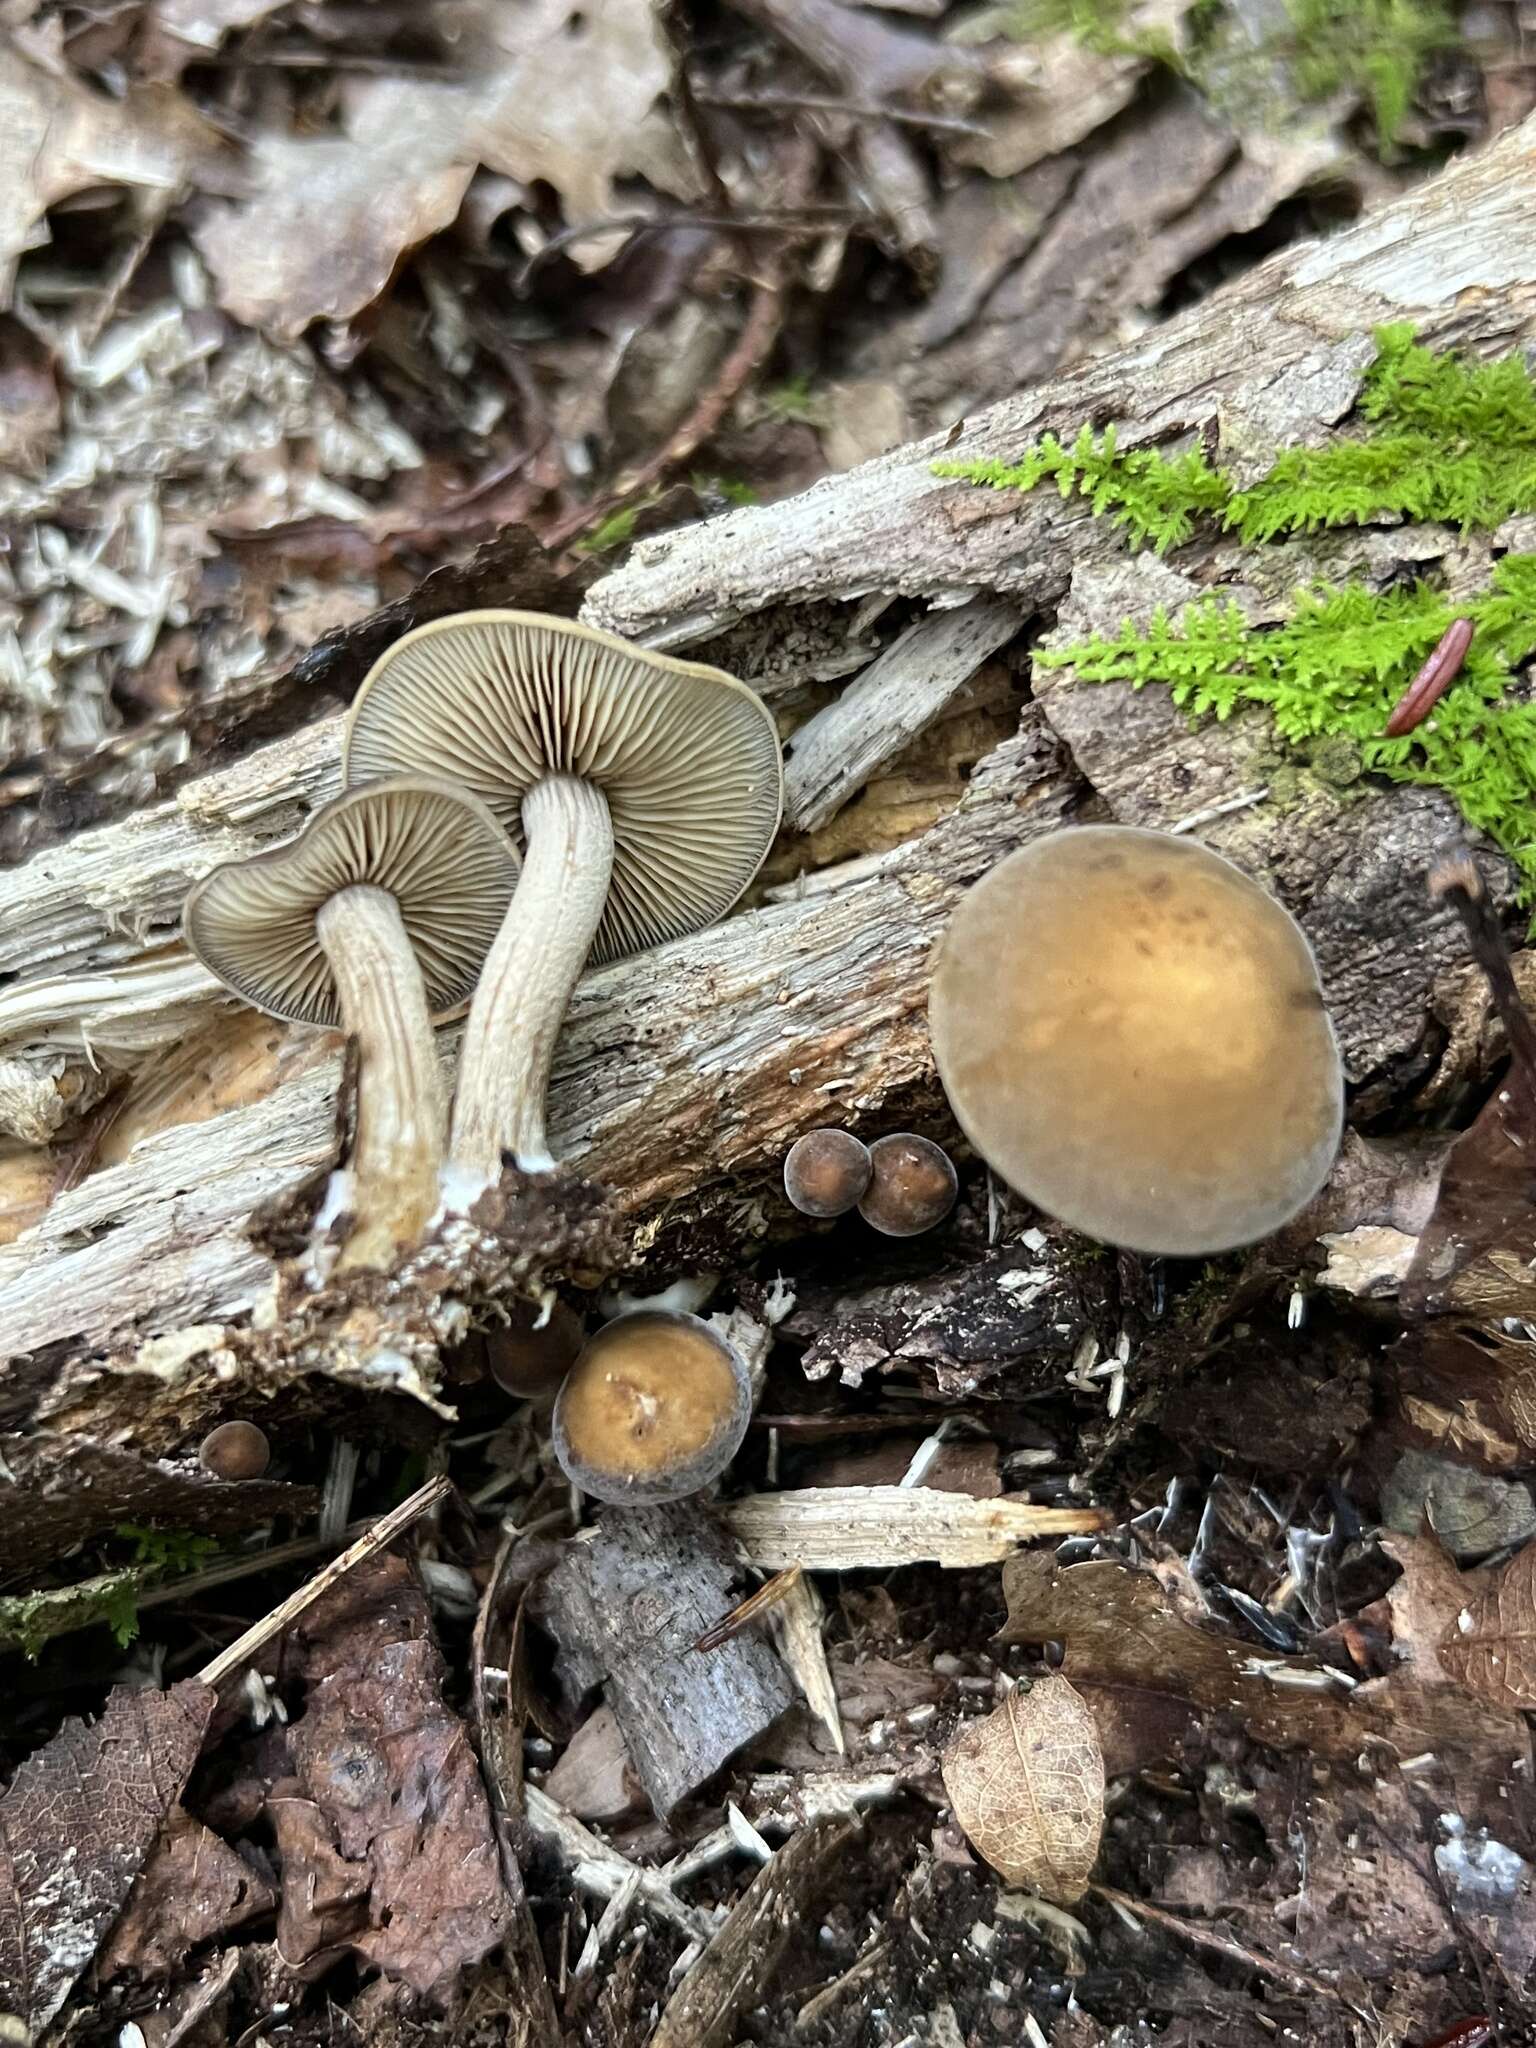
1376, 48
1446, 440
1330, 676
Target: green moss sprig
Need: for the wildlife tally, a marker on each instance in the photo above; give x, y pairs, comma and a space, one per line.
1446, 440
1337, 667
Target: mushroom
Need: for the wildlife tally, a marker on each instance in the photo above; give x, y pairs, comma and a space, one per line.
235, 1450
655, 1408
826, 1172
646, 792
536, 1349
912, 1185
1132, 1033
376, 917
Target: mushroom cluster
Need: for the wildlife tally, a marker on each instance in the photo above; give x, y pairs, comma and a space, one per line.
901, 1185
644, 793
1133, 1035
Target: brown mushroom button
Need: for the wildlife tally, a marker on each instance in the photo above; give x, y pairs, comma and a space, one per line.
530, 1356
646, 792
1132, 1034
654, 1409
235, 1450
376, 917
912, 1185
826, 1172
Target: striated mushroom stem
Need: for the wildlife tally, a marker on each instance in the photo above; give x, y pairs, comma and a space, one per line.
401, 1115
526, 983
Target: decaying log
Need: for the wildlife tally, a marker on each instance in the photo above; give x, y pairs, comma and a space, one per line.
626, 1610
683, 1076
858, 1528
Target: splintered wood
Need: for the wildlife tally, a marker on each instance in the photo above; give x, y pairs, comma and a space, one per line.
855, 1528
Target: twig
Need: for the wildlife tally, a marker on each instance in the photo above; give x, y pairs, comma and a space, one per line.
378, 1538
1222, 1945
798, 221
1456, 881
829, 103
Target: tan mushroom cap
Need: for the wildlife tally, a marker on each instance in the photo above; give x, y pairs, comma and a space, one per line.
1132, 1033
655, 1408
686, 756
438, 851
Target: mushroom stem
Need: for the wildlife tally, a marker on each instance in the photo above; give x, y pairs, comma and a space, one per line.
397, 1155
529, 973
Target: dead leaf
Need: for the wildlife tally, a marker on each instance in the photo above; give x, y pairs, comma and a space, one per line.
177, 33
76, 1824
331, 215
58, 137
1027, 1785
386, 1836
193, 1889
1473, 1513
1490, 1649
1120, 1629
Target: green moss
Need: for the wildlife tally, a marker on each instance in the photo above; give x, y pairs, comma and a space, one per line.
1376, 48
1330, 675
1442, 439
28, 1621
1445, 440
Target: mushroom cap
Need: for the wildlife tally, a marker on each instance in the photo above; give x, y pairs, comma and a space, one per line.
235, 1450
1132, 1033
826, 1172
655, 1407
528, 1357
437, 850
687, 757
912, 1185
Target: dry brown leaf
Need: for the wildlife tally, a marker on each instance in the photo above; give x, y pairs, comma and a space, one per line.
1027, 1785
76, 1824
332, 215
193, 1889
1490, 1648
58, 137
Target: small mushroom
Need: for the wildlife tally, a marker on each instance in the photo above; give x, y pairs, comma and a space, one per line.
376, 917
826, 1172
654, 1409
235, 1450
912, 1185
646, 792
535, 1350
1132, 1033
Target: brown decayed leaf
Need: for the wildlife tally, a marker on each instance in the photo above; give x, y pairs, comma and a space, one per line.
58, 136
76, 1824
1490, 1648
193, 1889
331, 215
1027, 1786
1120, 1629
386, 1832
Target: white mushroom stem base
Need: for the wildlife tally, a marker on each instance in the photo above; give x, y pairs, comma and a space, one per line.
526, 983
397, 1154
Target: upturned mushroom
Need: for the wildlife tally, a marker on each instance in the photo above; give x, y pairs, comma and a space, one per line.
375, 918
645, 791
654, 1409
1132, 1034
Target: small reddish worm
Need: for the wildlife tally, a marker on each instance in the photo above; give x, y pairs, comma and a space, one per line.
1432, 680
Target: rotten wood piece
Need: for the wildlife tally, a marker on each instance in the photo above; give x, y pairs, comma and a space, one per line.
737, 1967
626, 1610
871, 1528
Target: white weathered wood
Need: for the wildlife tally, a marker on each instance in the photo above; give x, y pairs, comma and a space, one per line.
870, 1528
898, 696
